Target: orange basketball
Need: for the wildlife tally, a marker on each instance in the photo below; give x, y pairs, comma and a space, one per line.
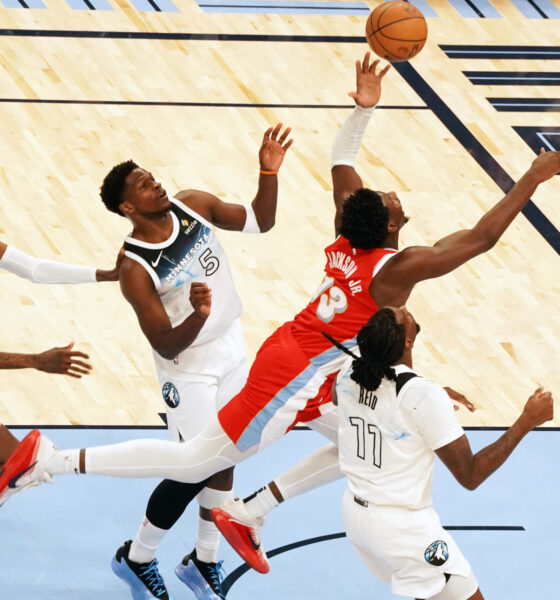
396, 30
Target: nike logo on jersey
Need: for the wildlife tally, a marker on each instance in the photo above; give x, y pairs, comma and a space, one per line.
156, 261
13, 481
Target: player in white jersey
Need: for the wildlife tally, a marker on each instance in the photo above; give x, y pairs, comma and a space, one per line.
392, 425
173, 265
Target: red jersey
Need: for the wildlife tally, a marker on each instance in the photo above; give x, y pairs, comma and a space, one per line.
342, 304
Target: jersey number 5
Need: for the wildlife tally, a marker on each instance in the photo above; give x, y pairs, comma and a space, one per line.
209, 262
370, 443
332, 300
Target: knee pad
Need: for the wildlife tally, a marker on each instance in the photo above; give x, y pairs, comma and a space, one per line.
209, 498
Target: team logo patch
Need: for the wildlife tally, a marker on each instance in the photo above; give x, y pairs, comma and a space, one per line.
437, 553
170, 394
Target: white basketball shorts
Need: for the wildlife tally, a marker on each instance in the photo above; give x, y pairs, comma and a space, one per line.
205, 378
407, 548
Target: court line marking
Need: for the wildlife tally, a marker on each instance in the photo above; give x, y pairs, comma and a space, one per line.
440, 109
203, 104
478, 152
236, 574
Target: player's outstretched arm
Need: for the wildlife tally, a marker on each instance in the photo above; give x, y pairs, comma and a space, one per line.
111, 274
168, 341
42, 270
417, 263
260, 216
347, 141
471, 470
64, 360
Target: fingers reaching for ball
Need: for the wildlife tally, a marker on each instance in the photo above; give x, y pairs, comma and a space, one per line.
368, 82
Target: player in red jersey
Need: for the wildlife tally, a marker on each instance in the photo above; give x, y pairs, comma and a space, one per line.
291, 370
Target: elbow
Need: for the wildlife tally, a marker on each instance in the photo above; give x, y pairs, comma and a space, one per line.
165, 352
469, 482
470, 485
484, 241
266, 224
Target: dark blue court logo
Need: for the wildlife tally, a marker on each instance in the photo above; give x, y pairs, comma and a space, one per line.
170, 394
437, 553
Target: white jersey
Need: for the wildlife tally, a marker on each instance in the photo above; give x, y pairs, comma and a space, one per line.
192, 253
387, 440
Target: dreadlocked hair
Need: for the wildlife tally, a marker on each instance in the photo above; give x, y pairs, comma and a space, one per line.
364, 219
112, 187
381, 344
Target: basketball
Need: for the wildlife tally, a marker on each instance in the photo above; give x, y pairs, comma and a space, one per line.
396, 30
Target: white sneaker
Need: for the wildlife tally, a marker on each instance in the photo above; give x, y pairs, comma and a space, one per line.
242, 530
26, 466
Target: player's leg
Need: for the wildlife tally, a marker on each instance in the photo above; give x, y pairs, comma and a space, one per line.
317, 469
245, 517
200, 569
139, 570
170, 498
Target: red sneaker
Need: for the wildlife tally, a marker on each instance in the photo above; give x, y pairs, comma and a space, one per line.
26, 466
241, 530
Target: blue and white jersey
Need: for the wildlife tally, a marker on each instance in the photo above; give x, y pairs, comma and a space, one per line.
192, 253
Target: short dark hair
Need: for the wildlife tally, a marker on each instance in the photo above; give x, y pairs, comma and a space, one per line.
112, 187
364, 219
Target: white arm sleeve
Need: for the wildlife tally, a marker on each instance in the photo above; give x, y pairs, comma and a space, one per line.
347, 141
40, 270
251, 225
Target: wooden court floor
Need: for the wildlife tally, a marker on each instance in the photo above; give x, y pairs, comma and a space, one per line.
188, 93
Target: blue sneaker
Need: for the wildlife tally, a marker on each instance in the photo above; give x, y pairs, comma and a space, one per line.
144, 580
204, 579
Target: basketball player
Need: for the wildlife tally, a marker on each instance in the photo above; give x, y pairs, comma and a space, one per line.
288, 381
173, 261
392, 425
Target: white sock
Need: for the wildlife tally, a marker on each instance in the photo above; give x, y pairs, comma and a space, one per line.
349, 137
64, 462
261, 502
145, 544
319, 468
207, 541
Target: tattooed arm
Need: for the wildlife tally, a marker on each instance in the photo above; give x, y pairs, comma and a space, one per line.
471, 470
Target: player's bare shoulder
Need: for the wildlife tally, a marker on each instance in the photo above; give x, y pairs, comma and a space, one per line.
198, 201
133, 276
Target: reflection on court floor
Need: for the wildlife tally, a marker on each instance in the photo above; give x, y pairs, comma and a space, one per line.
57, 541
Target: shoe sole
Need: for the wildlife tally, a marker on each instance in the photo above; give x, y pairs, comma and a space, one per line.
126, 574
201, 589
241, 544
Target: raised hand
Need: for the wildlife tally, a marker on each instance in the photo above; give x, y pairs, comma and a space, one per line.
538, 409
546, 165
368, 82
460, 399
273, 148
201, 298
63, 360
